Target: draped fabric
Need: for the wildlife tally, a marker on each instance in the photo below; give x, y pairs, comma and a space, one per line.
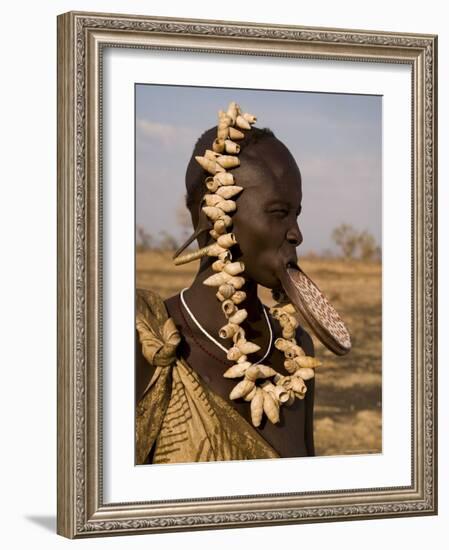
178, 418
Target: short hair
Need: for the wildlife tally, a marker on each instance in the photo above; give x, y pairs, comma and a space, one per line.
195, 174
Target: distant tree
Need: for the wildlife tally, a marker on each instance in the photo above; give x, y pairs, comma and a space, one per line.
144, 239
356, 244
346, 238
167, 241
368, 249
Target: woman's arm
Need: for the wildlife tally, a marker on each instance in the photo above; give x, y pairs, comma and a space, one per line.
309, 399
308, 347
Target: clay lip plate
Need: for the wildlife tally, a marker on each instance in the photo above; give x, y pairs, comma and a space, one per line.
316, 310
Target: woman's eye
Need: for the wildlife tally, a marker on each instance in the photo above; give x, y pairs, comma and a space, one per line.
279, 212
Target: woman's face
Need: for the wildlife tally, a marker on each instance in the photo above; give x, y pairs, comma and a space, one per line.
265, 223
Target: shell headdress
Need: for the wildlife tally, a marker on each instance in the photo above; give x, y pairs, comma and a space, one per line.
261, 385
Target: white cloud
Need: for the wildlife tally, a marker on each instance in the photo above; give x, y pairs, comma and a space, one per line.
164, 134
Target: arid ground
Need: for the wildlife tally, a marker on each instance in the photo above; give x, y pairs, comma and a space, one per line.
348, 402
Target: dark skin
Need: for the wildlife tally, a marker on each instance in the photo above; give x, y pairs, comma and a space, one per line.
266, 228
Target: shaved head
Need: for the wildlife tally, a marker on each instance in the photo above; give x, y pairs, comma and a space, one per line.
195, 174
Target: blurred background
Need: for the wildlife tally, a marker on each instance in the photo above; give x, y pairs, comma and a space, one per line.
336, 140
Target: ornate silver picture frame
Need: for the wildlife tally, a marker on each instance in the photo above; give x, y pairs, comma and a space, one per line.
83, 39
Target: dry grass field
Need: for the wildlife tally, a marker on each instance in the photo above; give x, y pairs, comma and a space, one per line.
348, 407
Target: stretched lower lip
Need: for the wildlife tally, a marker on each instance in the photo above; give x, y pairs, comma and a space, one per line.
303, 297
283, 271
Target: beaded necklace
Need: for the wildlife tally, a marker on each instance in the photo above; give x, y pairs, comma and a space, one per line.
212, 339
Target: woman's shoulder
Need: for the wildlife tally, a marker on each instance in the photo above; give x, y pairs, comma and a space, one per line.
171, 303
148, 297
150, 305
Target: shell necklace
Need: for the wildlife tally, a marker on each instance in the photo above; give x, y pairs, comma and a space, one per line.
265, 396
226, 350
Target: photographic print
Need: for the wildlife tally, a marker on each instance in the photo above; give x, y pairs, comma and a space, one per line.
246, 274
258, 274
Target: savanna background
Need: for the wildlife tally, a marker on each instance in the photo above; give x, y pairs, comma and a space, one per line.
336, 141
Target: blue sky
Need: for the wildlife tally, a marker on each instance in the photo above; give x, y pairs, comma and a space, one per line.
336, 140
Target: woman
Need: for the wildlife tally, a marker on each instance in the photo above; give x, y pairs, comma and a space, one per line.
187, 410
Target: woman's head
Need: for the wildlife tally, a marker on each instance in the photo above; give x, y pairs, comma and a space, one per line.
265, 222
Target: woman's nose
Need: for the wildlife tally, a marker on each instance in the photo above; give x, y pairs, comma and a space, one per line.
294, 235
